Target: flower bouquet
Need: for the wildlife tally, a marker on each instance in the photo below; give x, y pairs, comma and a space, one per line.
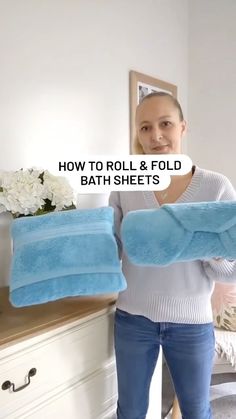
59, 251
34, 192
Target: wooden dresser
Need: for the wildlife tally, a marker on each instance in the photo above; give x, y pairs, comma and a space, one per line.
64, 350
60, 357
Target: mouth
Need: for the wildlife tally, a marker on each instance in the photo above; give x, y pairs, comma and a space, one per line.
160, 147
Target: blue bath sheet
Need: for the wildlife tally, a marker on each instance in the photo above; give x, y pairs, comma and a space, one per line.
180, 232
63, 254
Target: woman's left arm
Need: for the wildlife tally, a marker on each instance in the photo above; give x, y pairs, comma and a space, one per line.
218, 269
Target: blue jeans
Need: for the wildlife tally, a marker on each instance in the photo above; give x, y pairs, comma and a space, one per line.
188, 350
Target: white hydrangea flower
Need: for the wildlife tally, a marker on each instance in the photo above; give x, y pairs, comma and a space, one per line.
58, 190
33, 192
21, 192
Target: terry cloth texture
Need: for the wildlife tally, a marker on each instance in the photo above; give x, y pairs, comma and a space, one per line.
63, 254
201, 230
181, 291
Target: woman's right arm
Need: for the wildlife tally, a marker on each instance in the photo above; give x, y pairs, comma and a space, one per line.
114, 201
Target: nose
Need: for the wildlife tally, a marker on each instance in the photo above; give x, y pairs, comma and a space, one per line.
156, 135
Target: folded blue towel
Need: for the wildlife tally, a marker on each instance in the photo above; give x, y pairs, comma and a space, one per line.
180, 232
63, 254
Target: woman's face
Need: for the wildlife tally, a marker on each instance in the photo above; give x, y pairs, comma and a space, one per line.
159, 127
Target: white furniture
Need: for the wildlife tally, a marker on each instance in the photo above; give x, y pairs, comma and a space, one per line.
75, 372
72, 364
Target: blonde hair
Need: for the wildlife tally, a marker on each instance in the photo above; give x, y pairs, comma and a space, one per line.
136, 147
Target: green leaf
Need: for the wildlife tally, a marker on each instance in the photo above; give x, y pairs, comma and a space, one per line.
41, 177
48, 207
40, 211
72, 206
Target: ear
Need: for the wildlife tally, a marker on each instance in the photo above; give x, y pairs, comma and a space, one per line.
183, 127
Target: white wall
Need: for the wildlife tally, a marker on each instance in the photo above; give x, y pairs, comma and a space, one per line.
64, 73
212, 85
64, 77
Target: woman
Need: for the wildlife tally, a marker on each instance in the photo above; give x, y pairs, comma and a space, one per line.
168, 306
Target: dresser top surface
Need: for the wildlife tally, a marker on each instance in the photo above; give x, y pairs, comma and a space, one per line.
17, 324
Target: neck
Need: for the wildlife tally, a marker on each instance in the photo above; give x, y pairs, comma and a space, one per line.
176, 187
181, 178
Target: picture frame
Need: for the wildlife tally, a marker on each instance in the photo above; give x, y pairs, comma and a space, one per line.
140, 86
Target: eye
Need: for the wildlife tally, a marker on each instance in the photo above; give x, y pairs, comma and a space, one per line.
166, 124
145, 128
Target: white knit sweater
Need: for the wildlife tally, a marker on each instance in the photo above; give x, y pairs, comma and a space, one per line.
180, 292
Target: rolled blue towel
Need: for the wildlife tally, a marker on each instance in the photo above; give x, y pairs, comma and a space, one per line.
180, 232
61, 254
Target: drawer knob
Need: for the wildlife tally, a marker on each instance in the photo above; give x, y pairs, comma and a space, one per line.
8, 384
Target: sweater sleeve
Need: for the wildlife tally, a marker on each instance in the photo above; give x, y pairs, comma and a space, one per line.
114, 201
222, 270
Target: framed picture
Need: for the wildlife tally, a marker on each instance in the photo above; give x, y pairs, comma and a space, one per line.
140, 86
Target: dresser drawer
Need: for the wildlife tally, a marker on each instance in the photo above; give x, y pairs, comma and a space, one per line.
68, 356
90, 398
